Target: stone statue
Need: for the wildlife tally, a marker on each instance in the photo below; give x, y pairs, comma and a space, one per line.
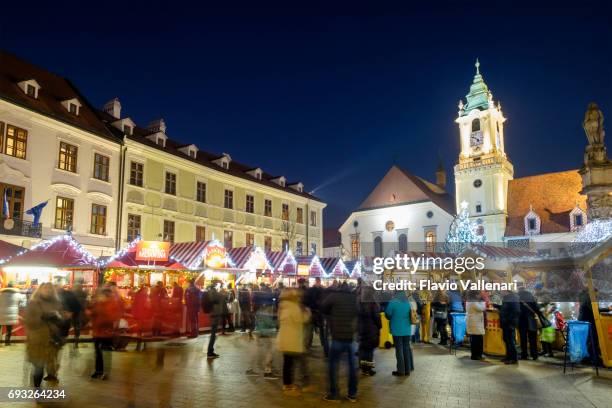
593, 125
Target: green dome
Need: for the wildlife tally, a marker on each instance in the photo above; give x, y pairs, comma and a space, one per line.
478, 97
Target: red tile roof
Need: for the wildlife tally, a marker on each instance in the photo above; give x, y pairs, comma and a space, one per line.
400, 187
54, 89
553, 196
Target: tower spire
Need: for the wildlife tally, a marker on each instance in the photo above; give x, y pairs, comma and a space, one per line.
477, 65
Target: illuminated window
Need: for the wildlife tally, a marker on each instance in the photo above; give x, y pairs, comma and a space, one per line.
355, 246
285, 244
285, 212
68, 157
313, 218
14, 197
298, 248
16, 141
98, 219
430, 241
200, 233
64, 211
299, 215
250, 239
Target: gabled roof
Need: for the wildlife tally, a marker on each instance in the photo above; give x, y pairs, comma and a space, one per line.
203, 157
53, 90
553, 196
400, 187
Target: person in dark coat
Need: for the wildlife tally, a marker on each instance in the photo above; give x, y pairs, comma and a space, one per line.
245, 301
340, 309
192, 302
440, 314
369, 325
216, 301
509, 312
314, 298
78, 320
528, 328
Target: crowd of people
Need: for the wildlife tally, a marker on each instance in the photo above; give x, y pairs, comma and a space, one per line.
345, 319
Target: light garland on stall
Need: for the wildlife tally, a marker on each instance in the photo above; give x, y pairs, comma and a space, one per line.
123, 251
71, 242
288, 258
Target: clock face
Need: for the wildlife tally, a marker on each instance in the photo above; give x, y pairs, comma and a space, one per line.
476, 139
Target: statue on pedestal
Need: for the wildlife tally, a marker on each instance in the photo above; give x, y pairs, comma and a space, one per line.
593, 127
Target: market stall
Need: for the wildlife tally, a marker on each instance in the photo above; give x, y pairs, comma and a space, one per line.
209, 259
60, 260
335, 269
309, 268
283, 264
252, 260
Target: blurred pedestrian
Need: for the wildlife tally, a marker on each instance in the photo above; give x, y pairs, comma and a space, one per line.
106, 310
340, 308
398, 312
509, 312
245, 301
79, 320
369, 324
293, 319
43, 314
143, 314
213, 304
314, 298
159, 297
265, 332
10, 300
528, 323
192, 303
440, 314
475, 308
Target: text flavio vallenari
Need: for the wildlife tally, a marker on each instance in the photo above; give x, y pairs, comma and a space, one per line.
427, 284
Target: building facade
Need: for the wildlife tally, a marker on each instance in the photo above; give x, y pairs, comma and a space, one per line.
54, 149
108, 180
403, 213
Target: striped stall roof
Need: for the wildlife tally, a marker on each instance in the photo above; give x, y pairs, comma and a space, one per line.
354, 268
334, 267
282, 262
189, 253
241, 255
250, 257
316, 269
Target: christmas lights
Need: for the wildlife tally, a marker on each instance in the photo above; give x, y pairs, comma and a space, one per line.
463, 232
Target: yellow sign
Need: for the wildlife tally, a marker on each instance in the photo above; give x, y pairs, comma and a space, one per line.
152, 251
215, 256
303, 270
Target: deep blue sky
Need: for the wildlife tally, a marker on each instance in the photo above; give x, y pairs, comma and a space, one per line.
333, 101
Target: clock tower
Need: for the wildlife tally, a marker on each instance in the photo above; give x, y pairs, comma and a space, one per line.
483, 170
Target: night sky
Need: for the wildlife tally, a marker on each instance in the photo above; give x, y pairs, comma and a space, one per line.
334, 101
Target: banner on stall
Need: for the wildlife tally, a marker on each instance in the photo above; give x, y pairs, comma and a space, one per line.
215, 256
153, 251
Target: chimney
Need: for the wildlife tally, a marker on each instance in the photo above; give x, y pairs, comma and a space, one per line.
113, 108
441, 176
157, 126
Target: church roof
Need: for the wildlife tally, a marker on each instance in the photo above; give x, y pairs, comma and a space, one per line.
400, 187
478, 97
552, 196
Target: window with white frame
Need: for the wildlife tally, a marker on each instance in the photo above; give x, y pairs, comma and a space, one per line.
532, 223
577, 219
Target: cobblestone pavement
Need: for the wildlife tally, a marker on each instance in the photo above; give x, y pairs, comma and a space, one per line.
187, 379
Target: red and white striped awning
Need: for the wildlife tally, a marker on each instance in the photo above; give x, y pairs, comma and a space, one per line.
282, 262
250, 257
190, 254
313, 262
334, 267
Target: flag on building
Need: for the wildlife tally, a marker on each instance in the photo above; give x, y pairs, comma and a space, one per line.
36, 211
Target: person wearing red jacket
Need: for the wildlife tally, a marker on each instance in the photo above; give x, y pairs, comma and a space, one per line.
141, 310
106, 311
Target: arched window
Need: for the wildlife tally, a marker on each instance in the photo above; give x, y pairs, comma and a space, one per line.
476, 125
403, 243
430, 241
378, 247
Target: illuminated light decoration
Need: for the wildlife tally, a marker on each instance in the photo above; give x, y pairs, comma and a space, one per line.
122, 252
463, 232
43, 245
215, 255
595, 231
257, 260
8, 258
289, 258
152, 251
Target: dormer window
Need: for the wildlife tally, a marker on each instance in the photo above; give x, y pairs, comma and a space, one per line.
299, 187
31, 90
223, 161
281, 181
257, 173
190, 150
577, 219
126, 125
30, 87
73, 106
532, 223
127, 129
160, 141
